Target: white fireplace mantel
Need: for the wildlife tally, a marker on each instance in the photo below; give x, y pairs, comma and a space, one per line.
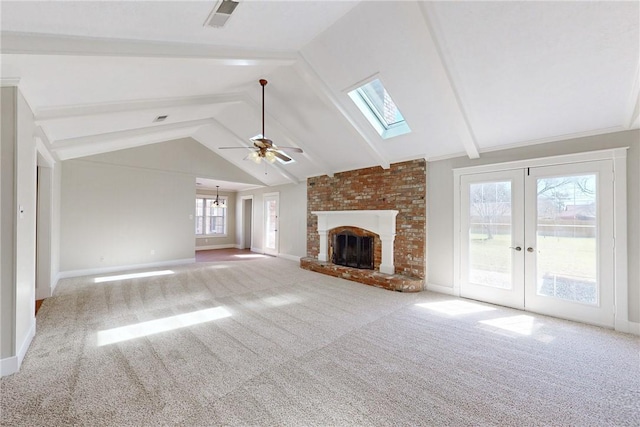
381, 222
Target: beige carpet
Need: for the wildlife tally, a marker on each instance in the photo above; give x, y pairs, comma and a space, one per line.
265, 343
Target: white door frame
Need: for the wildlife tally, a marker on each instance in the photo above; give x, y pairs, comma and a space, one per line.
266, 196
243, 217
619, 161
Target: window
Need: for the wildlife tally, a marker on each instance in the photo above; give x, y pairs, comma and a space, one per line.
211, 219
376, 104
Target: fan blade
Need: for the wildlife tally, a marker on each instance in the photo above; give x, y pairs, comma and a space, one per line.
291, 149
281, 156
233, 148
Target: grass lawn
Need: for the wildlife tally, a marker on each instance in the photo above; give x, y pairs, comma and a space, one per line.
561, 256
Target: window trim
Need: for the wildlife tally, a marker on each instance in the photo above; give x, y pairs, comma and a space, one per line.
225, 205
370, 112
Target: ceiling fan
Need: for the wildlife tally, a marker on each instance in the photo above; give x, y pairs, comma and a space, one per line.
263, 147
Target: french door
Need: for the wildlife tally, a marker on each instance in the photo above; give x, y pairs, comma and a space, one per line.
540, 239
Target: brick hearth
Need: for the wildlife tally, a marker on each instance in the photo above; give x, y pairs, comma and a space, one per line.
392, 282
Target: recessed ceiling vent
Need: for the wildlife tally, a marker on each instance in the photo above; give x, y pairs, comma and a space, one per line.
160, 118
221, 13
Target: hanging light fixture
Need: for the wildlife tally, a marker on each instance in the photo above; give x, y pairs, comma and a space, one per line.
217, 200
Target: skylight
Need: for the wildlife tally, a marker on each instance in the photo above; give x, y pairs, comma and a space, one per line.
377, 106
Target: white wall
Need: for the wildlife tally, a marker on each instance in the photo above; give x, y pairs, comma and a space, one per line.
292, 221
18, 198
7, 219
440, 206
120, 206
116, 216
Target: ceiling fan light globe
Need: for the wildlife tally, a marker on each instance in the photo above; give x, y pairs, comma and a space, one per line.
270, 157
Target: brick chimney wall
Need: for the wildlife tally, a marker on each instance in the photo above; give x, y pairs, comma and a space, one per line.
402, 187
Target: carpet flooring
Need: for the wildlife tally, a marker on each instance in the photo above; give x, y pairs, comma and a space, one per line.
265, 343
225, 255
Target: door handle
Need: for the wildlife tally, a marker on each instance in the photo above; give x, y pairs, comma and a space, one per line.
530, 249
517, 248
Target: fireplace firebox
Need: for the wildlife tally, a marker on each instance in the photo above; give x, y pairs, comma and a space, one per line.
352, 250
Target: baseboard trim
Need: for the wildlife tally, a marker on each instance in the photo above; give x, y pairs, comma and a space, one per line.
209, 247
633, 328
8, 366
448, 290
290, 257
94, 271
54, 283
257, 250
43, 293
11, 365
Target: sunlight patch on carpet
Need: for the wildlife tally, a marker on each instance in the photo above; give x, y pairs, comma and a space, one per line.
456, 307
280, 300
522, 324
138, 330
132, 276
250, 256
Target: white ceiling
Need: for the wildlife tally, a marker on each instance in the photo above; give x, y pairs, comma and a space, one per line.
469, 77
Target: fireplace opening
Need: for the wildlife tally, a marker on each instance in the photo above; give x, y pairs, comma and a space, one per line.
352, 251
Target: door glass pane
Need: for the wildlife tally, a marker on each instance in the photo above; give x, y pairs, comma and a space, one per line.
566, 238
490, 231
272, 218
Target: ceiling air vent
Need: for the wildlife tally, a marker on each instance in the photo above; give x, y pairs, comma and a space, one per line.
221, 13
160, 118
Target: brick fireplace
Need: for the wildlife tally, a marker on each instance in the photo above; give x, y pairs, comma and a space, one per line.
389, 204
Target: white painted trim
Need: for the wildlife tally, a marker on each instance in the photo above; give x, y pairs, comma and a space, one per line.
8, 366
441, 289
633, 328
457, 250
275, 195
78, 110
241, 216
633, 105
618, 155
94, 271
289, 257
54, 283
9, 81
11, 365
620, 262
74, 151
564, 138
48, 44
43, 293
586, 156
257, 250
42, 149
109, 136
209, 247
27, 341
468, 138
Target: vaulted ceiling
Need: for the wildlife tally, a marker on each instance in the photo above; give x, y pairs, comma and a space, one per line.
469, 77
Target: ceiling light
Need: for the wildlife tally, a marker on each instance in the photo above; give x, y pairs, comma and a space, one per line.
217, 201
270, 156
